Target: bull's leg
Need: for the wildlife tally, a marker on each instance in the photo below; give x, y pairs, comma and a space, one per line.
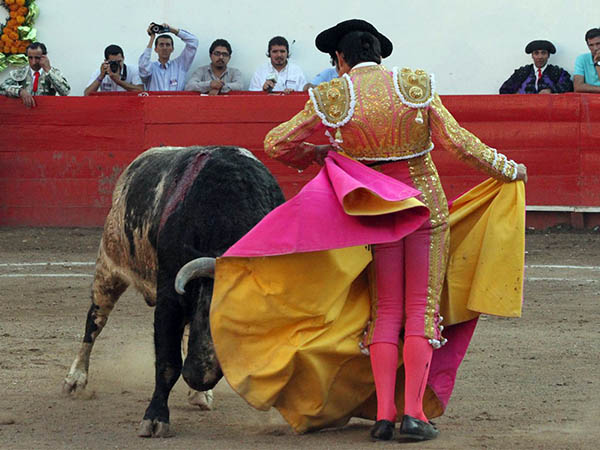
168, 331
106, 290
201, 399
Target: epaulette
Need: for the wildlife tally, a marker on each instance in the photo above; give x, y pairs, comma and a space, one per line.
415, 88
19, 74
334, 101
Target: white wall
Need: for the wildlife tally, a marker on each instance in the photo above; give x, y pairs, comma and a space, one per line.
471, 46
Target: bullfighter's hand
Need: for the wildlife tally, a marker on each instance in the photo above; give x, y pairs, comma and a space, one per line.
319, 152
545, 91
288, 91
27, 98
522, 173
45, 63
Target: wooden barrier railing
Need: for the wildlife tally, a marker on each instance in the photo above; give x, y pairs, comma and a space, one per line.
60, 160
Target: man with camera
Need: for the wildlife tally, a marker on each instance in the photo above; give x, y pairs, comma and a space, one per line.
216, 78
39, 78
166, 74
114, 75
278, 74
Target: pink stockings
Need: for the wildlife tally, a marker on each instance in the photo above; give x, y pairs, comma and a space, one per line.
401, 303
384, 361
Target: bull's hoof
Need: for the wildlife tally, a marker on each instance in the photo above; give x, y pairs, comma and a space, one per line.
154, 428
74, 382
201, 399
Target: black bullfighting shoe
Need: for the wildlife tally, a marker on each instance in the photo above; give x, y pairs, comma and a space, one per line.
417, 430
383, 430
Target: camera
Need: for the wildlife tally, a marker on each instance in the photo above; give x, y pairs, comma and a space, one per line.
115, 67
158, 29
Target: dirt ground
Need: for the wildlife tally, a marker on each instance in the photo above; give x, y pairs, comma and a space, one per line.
529, 383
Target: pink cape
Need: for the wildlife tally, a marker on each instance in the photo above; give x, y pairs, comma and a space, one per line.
315, 219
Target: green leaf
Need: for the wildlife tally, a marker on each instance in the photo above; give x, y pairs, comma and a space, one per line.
27, 33
32, 14
17, 60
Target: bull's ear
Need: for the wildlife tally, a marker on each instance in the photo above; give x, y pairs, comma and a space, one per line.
190, 252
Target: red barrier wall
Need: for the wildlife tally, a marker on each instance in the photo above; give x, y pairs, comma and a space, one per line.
60, 160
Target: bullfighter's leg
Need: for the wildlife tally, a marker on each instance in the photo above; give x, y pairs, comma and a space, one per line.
168, 332
106, 290
201, 399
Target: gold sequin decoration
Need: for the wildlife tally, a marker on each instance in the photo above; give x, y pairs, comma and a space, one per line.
382, 126
282, 141
333, 94
466, 146
335, 111
425, 178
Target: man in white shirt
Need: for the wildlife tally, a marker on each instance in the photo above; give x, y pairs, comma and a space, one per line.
114, 75
278, 74
164, 74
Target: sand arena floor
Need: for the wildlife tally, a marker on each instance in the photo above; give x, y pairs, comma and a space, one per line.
529, 383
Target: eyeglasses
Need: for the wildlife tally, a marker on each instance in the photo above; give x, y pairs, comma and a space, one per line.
219, 54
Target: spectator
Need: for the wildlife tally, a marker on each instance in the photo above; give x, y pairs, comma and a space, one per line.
278, 74
40, 78
216, 78
114, 75
166, 75
326, 75
539, 77
587, 66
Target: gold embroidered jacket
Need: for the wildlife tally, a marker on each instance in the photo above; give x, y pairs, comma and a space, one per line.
50, 83
376, 114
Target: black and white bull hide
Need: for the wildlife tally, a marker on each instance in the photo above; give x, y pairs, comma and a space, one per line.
171, 206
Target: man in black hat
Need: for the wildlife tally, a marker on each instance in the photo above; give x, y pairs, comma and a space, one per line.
539, 77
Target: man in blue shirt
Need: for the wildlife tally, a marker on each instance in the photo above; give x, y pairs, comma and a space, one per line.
325, 75
586, 77
164, 74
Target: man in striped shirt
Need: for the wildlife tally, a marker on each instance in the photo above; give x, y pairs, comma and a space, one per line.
166, 74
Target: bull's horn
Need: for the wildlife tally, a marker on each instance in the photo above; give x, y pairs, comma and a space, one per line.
196, 268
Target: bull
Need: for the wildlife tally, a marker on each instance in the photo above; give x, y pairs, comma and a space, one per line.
172, 206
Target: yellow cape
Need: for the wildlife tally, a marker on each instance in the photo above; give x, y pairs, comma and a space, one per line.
287, 328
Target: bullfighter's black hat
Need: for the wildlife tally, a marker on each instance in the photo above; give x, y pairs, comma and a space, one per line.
540, 45
328, 40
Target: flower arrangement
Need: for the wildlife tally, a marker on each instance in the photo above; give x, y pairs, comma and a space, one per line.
18, 32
